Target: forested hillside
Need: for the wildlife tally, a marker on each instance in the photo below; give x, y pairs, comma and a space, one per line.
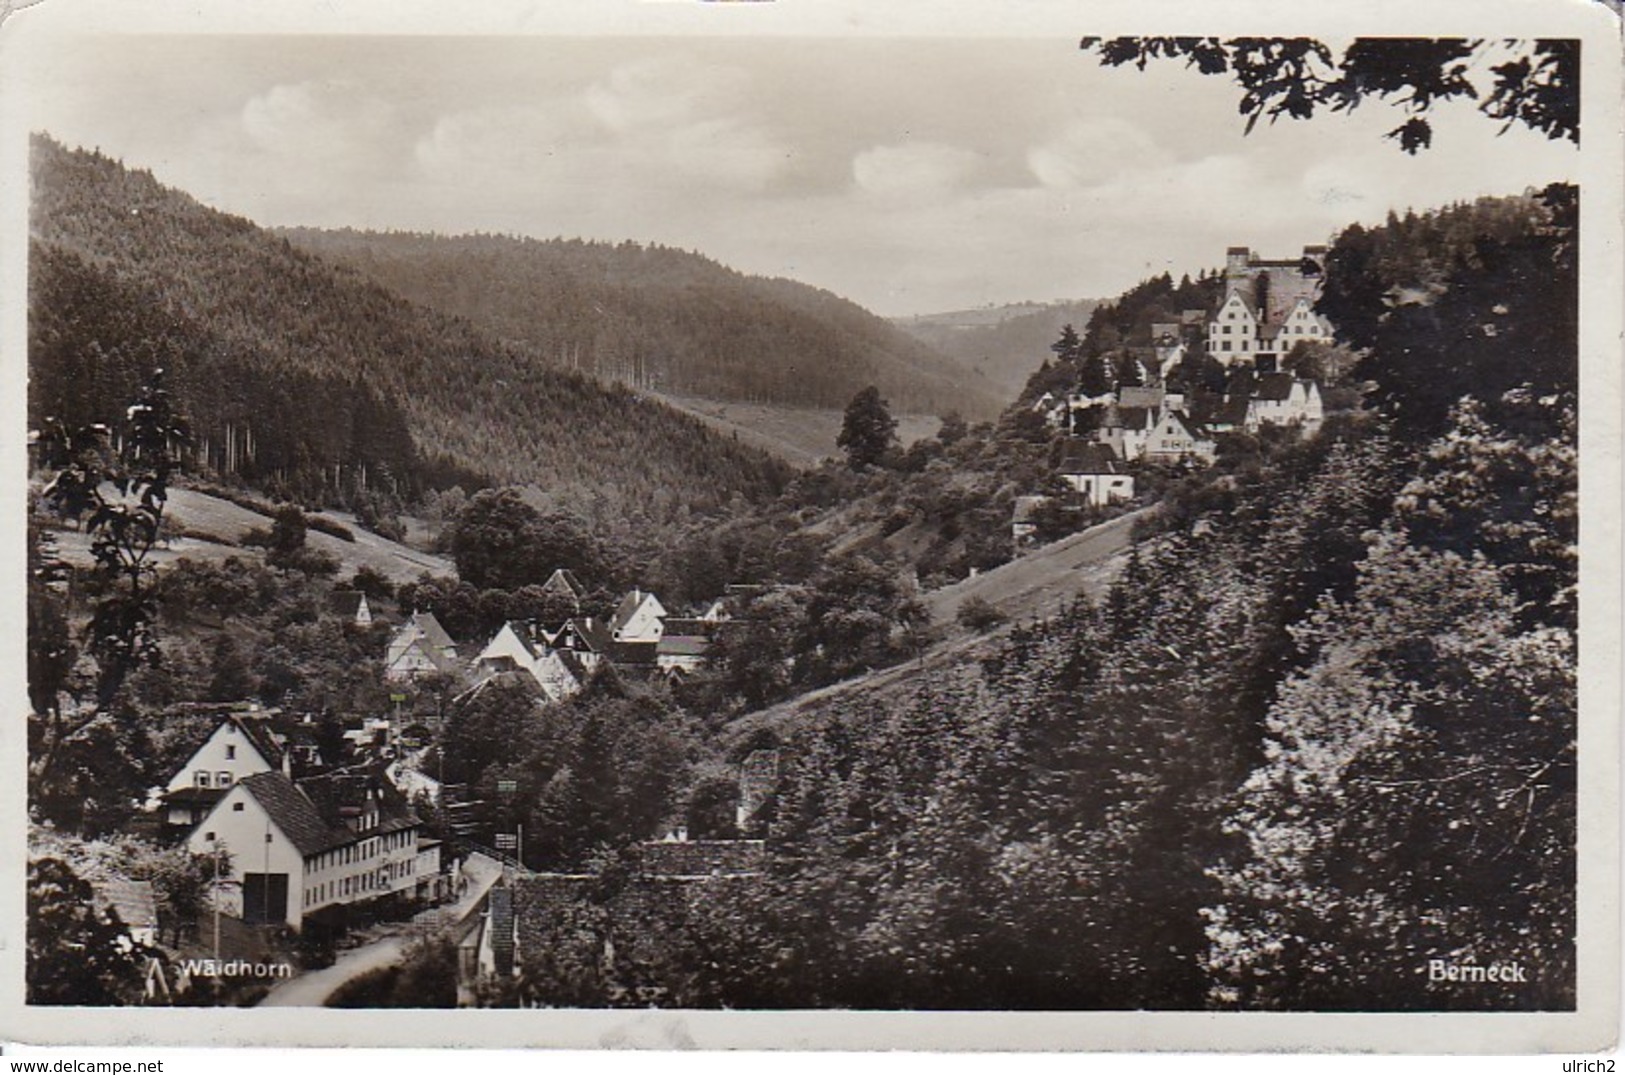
1321, 733
309, 379
1006, 343
663, 319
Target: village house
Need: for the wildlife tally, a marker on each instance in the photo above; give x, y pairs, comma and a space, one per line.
1280, 399
1126, 430
488, 953
638, 618
587, 638
297, 850
523, 646
1023, 518
1175, 437
1095, 473
684, 644
239, 746
420, 647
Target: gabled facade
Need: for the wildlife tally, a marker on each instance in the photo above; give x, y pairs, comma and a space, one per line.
1175, 437
292, 850
1268, 307
238, 747
638, 618
1126, 429
1095, 473
1283, 400
420, 647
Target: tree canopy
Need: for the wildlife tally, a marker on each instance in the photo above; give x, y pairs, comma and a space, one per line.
1534, 83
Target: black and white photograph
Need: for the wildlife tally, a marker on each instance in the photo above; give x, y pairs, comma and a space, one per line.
655, 512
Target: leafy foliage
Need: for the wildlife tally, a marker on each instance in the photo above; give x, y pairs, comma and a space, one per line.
1537, 85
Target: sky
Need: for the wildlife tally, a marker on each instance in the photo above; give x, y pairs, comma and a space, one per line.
911, 175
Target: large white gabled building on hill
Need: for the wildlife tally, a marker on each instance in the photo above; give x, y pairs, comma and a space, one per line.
295, 850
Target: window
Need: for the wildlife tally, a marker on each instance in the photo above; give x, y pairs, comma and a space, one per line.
231, 751
1226, 345
209, 836
236, 808
201, 778
225, 779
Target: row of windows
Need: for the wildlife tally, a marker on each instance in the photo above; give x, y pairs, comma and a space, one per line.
359, 884
366, 849
203, 779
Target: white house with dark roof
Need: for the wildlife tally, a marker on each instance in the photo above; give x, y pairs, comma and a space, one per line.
638, 618
1176, 437
522, 647
1281, 399
1095, 473
238, 747
296, 849
420, 647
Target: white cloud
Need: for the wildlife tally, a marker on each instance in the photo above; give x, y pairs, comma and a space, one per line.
323, 121
912, 168
1089, 152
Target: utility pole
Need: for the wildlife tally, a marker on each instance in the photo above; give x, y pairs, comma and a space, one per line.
215, 845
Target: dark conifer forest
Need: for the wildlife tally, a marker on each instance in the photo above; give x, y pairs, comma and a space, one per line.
661, 318
308, 379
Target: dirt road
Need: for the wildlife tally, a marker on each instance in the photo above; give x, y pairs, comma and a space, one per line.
312, 990
1038, 584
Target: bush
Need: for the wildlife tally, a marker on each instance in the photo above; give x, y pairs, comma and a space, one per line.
977, 614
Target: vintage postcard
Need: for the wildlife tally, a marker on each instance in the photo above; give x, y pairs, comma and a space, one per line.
811, 525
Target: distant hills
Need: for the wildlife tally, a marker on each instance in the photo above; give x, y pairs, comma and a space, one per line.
311, 379
661, 319
1003, 344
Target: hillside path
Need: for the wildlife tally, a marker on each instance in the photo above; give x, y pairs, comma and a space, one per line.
1038, 584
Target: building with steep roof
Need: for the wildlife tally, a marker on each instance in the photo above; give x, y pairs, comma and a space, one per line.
638, 618
239, 746
420, 647
1094, 472
1268, 307
294, 850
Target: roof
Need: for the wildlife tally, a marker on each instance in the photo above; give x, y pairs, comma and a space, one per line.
629, 606
563, 580
192, 795
1120, 417
343, 793
135, 901
311, 813
688, 625
683, 646
292, 812
432, 631
592, 633
633, 652
701, 858
500, 903
1274, 387
260, 734
1085, 457
1138, 396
